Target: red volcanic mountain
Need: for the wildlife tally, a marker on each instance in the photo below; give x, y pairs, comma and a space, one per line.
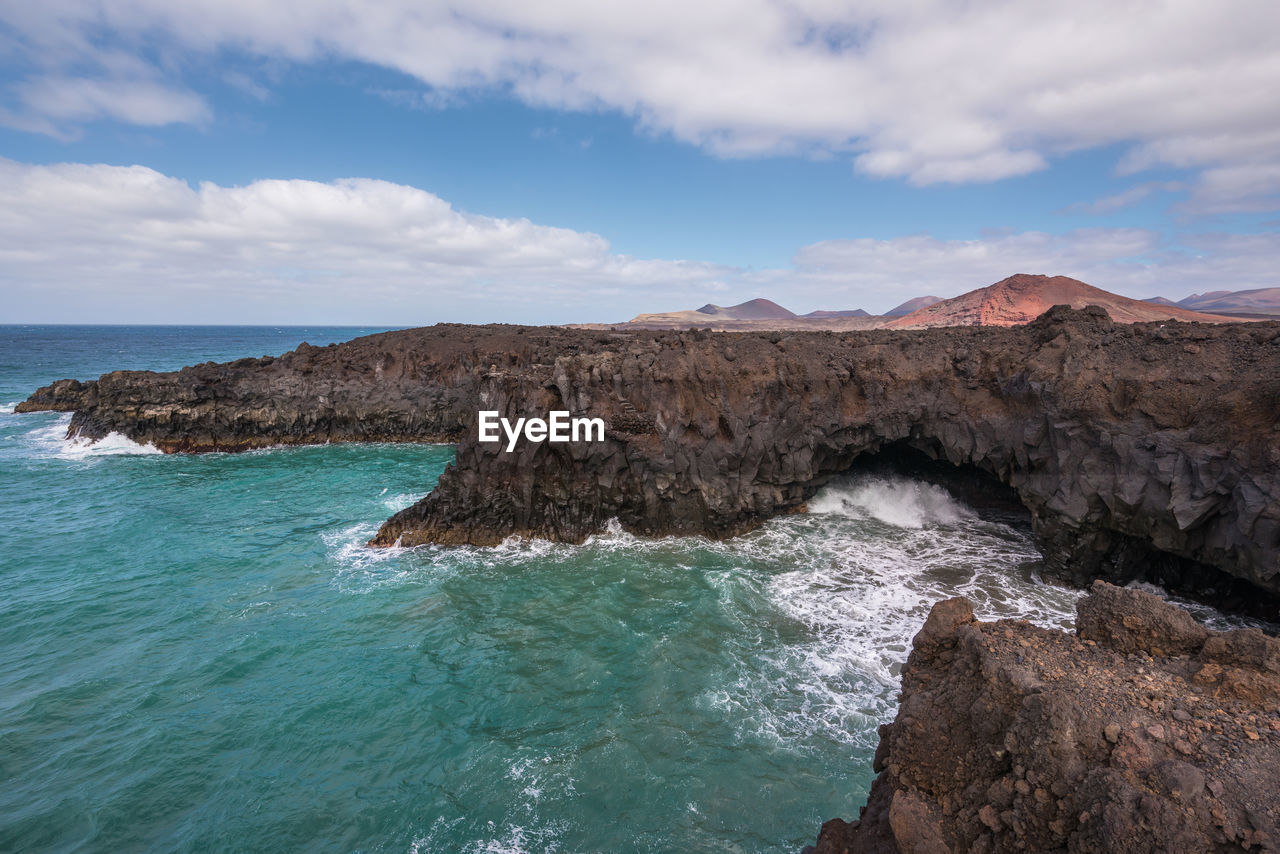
1023, 297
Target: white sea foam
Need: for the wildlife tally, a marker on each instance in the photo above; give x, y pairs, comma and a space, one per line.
51, 440
505, 839
517, 839
862, 591
363, 568
396, 503
897, 501
7, 408
113, 444
430, 842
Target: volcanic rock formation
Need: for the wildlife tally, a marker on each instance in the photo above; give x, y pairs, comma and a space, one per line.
1022, 298
418, 385
1142, 732
1141, 451
1016, 300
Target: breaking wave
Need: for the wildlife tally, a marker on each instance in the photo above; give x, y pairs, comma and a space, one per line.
51, 440
897, 501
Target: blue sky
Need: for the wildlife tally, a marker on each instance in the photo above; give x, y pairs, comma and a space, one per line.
401, 163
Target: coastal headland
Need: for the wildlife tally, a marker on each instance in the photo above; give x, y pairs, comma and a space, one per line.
1141, 451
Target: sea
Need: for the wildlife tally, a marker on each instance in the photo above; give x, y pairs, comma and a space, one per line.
199, 654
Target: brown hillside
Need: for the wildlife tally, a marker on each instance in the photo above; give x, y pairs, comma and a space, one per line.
1022, 298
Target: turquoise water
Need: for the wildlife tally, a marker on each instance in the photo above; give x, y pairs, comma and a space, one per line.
198, 654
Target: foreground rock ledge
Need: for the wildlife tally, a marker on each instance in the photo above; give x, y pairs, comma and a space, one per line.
1143, 732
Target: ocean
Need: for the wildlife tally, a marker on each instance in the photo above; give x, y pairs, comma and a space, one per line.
197, 653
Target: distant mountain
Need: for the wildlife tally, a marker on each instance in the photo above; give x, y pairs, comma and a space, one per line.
1257, 301
857, 312
912, 305
1207, 295
756, 309
1023, 297
756, 314
1017, 299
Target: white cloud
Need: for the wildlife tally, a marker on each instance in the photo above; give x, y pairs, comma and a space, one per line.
1125, 198
96, 243
77, 239
934, 91
1250, 186
139, 102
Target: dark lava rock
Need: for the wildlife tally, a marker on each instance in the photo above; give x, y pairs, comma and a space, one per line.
1135, 456
1148, 624
1138, 734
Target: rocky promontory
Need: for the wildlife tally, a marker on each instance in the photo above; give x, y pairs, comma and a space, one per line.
1145, 450
415, 385
1141, 732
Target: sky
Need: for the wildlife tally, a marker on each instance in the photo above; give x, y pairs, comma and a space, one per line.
400, 162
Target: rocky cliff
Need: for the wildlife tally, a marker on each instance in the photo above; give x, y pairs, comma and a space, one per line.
1142, 732
1138, 449
416, 385
1148, 450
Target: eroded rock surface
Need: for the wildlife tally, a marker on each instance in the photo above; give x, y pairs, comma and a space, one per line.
1149, 450
415, 385
1142, 732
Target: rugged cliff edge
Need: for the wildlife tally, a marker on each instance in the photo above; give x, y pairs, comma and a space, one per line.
416, 385
1142, 732
1148, 450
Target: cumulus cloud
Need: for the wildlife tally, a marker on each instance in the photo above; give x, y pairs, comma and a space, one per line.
97, 243
933, 91
77, 240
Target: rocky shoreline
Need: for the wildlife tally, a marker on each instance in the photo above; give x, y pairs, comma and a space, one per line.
1146, 451
1141, 451
1141, 732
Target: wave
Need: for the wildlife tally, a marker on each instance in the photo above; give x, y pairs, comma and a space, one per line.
860, 573
396, 503
857, 575
898, 501
111, 445
51, 441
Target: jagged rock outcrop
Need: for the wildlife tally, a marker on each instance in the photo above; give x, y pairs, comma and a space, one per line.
416, 385
1148, 450
1138, 449
1142, 732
